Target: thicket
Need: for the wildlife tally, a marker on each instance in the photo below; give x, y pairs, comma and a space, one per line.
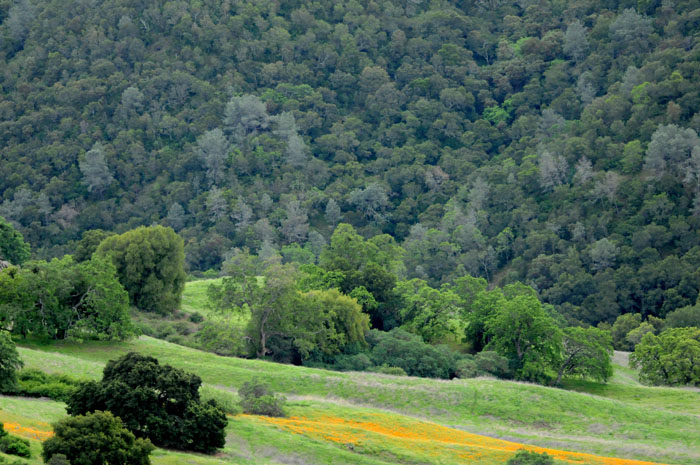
35, 383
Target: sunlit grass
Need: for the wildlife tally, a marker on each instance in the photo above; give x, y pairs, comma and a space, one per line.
617, 421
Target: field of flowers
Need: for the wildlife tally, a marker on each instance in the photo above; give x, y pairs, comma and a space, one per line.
410, 440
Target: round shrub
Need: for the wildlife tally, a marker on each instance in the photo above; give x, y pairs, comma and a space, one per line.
257, 399
526, 457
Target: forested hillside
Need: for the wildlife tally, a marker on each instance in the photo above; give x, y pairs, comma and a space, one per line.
549, 142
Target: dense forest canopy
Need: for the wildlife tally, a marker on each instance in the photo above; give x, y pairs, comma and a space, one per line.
551, 142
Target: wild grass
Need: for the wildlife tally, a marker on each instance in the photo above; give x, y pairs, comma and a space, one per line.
194, 297
613, 420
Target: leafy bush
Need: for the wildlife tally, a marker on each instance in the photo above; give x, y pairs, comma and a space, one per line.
196, 317
58, 459
526, 457
13, 445
387, 370
466, 368
35, 383
398, 348
257, 399
357, 362
96, 439
490, 362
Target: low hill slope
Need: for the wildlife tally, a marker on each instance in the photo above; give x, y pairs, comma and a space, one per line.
622, 420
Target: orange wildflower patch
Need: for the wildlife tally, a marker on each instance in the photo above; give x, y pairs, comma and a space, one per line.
379, 431
31, 433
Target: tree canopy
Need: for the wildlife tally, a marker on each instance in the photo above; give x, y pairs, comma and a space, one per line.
150, 264
154, 401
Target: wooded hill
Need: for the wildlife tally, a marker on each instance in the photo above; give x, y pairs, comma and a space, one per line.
552, 142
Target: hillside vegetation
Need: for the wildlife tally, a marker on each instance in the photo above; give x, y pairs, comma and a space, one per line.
552, 142
623, 419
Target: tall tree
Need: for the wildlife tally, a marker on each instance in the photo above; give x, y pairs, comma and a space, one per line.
96, 174
10, 362
150, 265
212, 148
586, 352
523, 331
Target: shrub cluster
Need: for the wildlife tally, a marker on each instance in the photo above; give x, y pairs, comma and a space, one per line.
35, 383
258, 399
13, 445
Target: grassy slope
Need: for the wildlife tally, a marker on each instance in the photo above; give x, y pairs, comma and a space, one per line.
194, 297
621, 419
622, 425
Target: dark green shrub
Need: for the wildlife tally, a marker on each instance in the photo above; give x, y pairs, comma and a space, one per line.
387, 370
196, 317
13, 445
526, 457
35, 383
96, 439
489, 362
58, 459
257, 399
357, 362
466, 368
398, 348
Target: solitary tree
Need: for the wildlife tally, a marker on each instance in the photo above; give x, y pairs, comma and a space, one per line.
585, 352
155, 401
150, 265
279, 321
96, 174
9, 362
575, 41
671, 358
522, 330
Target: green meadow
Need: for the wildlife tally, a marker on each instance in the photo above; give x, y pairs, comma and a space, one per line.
621, 419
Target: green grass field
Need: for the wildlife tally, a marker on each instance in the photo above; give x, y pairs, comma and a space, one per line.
194, 297
620, 419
